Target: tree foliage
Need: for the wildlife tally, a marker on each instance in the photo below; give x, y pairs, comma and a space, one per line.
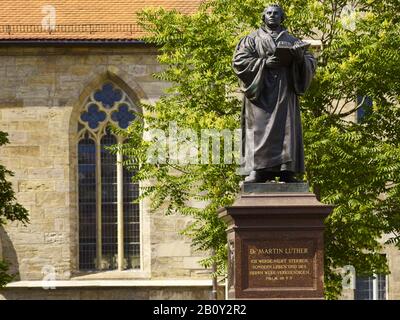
10, 210
353, 165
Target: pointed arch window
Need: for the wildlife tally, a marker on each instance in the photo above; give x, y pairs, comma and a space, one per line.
109, 221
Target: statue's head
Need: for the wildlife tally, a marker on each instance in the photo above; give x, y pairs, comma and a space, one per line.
273, 15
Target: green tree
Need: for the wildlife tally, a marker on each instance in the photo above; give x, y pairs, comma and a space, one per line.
10, 210
354, 166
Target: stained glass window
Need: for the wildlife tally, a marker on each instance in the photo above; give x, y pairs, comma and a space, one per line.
109, 203
108, 95
93, 116
99, 184
366, 108
87, 203
371, 288
123, 116
131, 221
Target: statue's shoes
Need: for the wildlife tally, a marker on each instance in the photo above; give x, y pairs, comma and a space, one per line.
261, 176
255, 177
290, 179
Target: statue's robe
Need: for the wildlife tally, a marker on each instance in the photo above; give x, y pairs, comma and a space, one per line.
271, 104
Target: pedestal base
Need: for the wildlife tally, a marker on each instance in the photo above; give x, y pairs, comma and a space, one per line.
275, 242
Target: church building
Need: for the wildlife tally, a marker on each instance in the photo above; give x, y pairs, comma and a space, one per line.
68, 69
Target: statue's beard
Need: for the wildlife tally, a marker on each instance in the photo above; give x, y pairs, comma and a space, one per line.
272, 25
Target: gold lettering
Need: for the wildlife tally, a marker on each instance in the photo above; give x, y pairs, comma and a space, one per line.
296, 250
298, 260
255, 273
261, 251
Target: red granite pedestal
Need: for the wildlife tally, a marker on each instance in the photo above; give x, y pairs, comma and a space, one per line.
276, 244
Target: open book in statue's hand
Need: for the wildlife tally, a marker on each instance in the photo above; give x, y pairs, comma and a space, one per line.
285, 51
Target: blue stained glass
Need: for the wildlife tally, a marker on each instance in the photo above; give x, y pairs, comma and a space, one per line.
123, 116
108, 95
366, 108
93, 116
87, 203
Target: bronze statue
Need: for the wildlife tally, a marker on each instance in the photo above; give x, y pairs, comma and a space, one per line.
274, 69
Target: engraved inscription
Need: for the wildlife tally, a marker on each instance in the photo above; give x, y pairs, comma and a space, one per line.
281, 263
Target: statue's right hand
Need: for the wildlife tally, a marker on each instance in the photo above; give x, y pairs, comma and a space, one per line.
272, 62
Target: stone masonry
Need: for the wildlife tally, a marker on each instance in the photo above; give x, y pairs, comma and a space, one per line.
41, 92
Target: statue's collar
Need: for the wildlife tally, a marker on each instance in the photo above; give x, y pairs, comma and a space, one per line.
265, 32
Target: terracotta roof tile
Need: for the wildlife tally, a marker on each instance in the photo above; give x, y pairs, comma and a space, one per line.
80, 19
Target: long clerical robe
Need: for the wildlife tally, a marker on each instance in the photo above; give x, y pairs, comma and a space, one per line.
271, 105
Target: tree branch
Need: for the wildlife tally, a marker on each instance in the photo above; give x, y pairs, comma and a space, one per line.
343, 115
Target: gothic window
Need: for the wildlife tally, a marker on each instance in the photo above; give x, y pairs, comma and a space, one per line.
108, 217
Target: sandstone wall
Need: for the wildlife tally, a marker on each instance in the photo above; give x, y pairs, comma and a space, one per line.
393, 279
41, 92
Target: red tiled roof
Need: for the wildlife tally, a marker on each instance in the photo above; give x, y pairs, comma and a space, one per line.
80, 19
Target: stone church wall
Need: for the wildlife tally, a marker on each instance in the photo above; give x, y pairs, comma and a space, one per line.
41, 92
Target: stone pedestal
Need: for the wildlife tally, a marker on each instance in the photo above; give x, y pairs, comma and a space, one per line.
275, 238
